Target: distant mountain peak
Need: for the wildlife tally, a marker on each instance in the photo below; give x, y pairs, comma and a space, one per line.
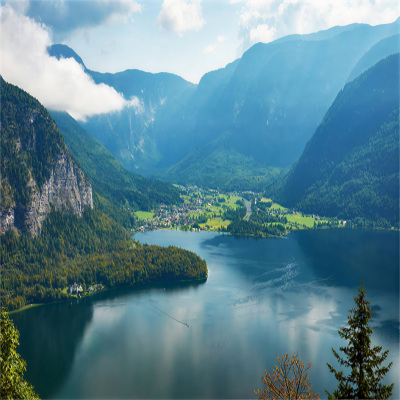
63, 51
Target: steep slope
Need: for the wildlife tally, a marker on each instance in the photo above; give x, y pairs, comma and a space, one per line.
44, 192
272, 99
219, 165
268, 102
350, 167
109, 178
37, 172
382, 49
63, 51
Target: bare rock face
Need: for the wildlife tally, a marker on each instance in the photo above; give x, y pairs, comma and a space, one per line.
67, 189
38, 174
7, 220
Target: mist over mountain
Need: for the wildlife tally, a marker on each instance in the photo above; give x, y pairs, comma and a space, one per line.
109, 178
263, 107
377, 52
350, 167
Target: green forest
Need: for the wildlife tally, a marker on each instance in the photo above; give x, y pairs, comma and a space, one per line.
88, 250
115, 185
30, 144
92, 249
350, 167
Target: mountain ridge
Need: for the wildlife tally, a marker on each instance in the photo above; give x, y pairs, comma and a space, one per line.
38, 174
349, 167
269, 101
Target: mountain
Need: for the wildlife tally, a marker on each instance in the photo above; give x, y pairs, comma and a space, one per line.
219, 165
350, 167
63, 51
56, 231
127, 133
268, 102
272, 98
38, 174
380, 50
109, 178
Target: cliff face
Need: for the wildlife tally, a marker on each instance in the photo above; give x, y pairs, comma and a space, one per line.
66, 190
38, 174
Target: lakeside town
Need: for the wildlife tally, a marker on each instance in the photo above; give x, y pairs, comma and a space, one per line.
213, 210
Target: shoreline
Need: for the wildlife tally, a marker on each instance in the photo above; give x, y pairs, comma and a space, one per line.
139, 286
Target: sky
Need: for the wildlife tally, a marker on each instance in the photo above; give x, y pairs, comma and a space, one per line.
184, 37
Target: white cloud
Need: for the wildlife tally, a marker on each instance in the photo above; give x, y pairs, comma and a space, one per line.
262, 33
136, 104
65, 16
179, 16
266, 20
57, 84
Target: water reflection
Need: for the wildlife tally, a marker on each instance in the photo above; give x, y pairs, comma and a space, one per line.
49, 338
262, 298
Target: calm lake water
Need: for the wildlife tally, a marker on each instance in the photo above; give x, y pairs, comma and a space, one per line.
263, 297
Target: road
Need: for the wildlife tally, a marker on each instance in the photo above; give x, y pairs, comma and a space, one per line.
248, 206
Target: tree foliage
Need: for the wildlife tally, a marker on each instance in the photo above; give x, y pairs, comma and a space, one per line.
363, 361
108, 177
289, 380
13, 385
350, 167
30, 145
87, 250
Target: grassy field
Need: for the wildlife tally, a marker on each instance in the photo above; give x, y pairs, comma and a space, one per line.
303, 220
144, 214
231, 201
275, 206
215, 224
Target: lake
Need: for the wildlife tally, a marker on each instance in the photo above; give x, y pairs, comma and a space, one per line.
214, 340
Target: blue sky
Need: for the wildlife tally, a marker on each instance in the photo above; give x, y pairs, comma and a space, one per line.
185, 37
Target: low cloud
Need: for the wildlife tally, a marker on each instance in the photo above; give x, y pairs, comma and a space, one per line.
265, 21
63, 16
136, 104
262, 33
58, 84
179, 16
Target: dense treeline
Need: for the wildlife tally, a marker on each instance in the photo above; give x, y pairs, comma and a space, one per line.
87, 250
109, 178
350, 167
30, 144
260, 223
218, 165
92, 249
235, 214
250, 228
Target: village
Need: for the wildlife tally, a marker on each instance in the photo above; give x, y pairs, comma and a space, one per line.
199, 206
210, 210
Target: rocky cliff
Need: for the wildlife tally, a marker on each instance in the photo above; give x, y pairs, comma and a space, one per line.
38, 174
66, 190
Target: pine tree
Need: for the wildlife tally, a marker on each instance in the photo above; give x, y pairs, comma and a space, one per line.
363, 362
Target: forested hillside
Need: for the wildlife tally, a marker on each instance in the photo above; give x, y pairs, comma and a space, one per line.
37, 172
261, 109
90, 247
350, 167
89, 250
111, 181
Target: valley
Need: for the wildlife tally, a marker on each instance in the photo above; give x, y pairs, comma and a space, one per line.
190, 230
212, 210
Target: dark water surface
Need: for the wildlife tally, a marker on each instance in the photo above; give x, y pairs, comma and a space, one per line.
263, 297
